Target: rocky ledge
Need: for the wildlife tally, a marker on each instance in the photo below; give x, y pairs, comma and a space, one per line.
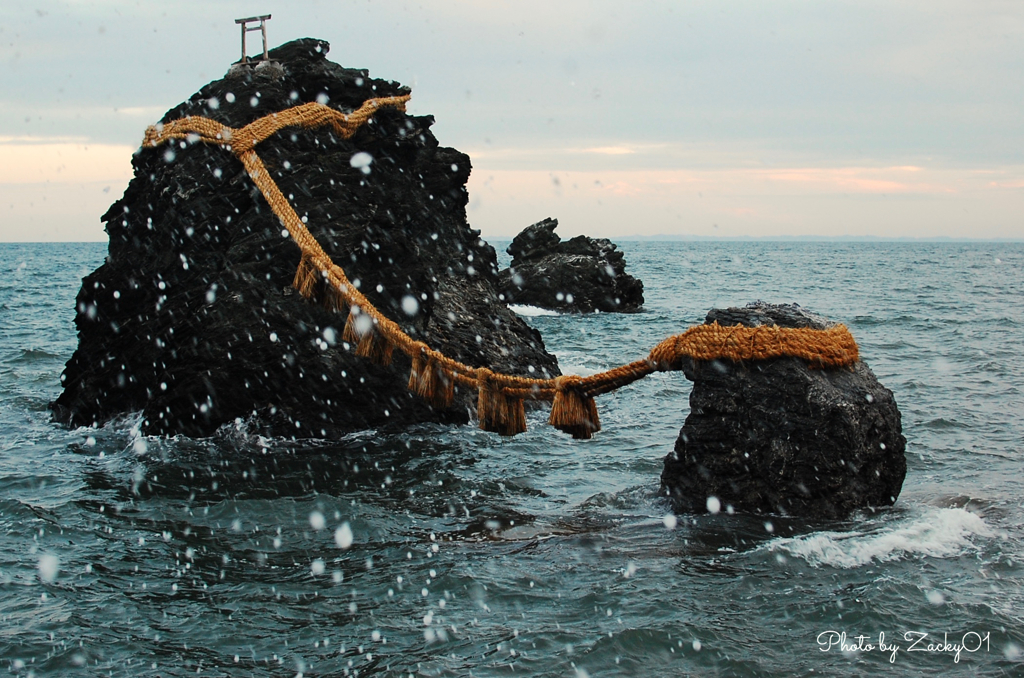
778, 436
580, 275
192, 319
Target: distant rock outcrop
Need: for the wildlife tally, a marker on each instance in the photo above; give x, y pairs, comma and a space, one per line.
193, 321
778, 436
580, 275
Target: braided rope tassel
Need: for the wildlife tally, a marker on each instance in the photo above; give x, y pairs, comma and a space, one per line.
376, 347
430, 381
361, 333
572, 410
497, 411
307, 278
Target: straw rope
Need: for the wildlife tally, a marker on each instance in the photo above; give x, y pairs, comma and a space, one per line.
434, 375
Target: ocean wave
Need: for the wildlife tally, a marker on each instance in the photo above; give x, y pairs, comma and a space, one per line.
939, 533
30, 355
942, 423
530, 311
576, 369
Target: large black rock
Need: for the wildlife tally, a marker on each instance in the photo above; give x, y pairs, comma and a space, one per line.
776, 436
192, 319
580, 275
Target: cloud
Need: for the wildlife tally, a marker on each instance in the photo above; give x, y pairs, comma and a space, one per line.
856, 179
56, 188
27, 160
28, 139
791, 102
610, 150
147, 112
879, 201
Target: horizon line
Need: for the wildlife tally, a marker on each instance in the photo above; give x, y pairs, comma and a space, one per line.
668, 237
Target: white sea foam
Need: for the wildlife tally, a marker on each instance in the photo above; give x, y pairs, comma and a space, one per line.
575, 369
938, 533
530, 311
132, 424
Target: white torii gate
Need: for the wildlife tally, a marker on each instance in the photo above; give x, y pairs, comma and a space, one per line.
245, 29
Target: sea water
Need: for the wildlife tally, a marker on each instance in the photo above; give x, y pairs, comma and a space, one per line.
448, 551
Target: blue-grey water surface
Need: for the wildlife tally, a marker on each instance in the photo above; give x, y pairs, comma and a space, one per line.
470, 554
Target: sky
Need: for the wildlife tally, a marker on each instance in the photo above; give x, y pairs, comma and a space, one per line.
720, 118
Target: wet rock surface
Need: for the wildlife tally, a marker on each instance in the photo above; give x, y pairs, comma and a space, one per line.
778, 437
579, 275
192, 318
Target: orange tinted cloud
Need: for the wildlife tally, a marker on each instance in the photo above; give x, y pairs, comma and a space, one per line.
915, 201
858, 179
24, 160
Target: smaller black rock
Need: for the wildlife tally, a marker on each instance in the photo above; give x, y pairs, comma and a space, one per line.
580, 275
776, 436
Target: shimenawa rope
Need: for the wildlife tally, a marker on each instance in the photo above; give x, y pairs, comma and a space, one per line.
434, 376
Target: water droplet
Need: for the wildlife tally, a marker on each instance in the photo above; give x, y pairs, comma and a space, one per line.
343, 536
49, 566
363, 324
362, 161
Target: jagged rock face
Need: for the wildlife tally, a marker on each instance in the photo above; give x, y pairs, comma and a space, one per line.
192, 319
580, 275
778, 437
